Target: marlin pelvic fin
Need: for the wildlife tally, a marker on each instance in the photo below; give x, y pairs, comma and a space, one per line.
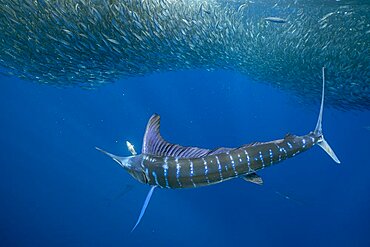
253, 178
318, 130
147, 200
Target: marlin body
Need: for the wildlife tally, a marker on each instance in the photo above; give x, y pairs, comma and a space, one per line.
175, 167
165, 165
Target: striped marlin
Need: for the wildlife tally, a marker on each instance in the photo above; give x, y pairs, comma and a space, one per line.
165, 165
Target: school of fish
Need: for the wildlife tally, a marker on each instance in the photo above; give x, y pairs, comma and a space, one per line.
87, 43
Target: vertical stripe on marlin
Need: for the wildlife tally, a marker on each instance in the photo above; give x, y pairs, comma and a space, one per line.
155, 178
219, 168
192, 173
279, 150
240, 159
165, 172
271, 156
178, 167
289, 144
303, 143
233, 164
206, 170
147, 174
285, 152
261, 158
248, 160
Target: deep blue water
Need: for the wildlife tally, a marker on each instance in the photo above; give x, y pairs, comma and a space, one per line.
57, 190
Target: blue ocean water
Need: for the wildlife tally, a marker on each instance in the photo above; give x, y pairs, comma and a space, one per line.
57, 190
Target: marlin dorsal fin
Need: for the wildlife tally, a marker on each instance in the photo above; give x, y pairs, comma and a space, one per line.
154, 144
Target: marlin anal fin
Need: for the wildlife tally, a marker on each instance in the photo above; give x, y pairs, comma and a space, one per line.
253, 178
318, 130
147, 200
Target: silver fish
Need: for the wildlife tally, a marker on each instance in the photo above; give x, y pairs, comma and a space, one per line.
91, 43
275, 19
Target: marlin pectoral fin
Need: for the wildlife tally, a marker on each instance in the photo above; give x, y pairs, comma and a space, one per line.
253, 178
147, 199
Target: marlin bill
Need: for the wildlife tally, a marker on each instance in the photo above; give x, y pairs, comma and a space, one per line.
171, 166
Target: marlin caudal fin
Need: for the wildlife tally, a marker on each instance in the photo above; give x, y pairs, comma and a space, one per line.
122, 161
318, 130
147, 200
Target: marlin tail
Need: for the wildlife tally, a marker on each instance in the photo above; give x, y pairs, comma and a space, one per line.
165, 165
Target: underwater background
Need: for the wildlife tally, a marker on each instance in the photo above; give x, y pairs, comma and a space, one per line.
57, 190
79, 74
